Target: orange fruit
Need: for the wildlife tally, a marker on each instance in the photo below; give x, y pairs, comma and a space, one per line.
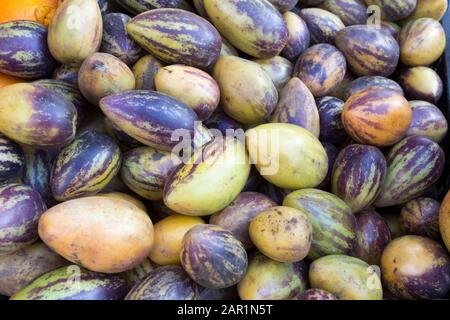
7, 80
36, 10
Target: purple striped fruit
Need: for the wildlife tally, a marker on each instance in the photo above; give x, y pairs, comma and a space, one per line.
176, 36
74, 283
21, 267
428, 121
240, 22
421, 217
125, 141
85, 166
221, 122
322, 24
414, 164
116, 41
11, 160
339, 91
391, 27
350, 12
278, 68
213, 257
136, 275
20, 209
415, 267
332, 153
317, 294
422, 83
199, 6
362, 83
146, 170
334, 225
67, 73
358, 175
298, 36
36, 116
24, 50
394, 10
149, 117
297, 106
369, 51
330, 114
321, 67
165, 283
144, 72
238, 215
139, 6
372, 236
267, 279
284, 5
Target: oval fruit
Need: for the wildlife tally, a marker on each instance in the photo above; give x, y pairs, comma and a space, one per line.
416, 268
240, 23
176, 36
350, 12
322, 24
414, 164
124, 196
360, 84
317, 294
428, 121
422, 83
299, 36
346, 277
213, 257
67, 73
444, 220
169, 233
394, 10
11, 160
144, 72
377, 116
138, 274
421, 217
428, 9
81, 229
278, 68
330, 115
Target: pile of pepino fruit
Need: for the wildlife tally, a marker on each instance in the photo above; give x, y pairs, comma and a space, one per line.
223, 149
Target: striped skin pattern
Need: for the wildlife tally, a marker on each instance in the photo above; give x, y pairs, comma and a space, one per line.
67, 73
220, 121
211, 180
414, 164
334, 225
391, 27
138, 274
351, 12
322, 24
330, 115
116, 41
21, 267
322, 68
125, 141
24, 51
267, 279
20, 209
434, 9
36, 116
278, 68
237, 216
415, 267
317, 294
428, 121
284, 5
345, 277
176, 36
165, 283
240, 21
85, 166
149, 117
369, 51
358, 176
139, 6
332, 153
192, 86
362, 83
144, 71
339, 91
76, 31
394, 10
67, 283
422, 83
248, 94
11, 160
297, 106
213, 257
377, 116
299, 36
146, 170
422, 42
372, 236
421, 217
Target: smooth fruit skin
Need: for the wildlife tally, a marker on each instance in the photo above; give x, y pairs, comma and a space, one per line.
36, 116
394, 10
377, 116
284, 5
322, 24
75, 31
422, 83
74, 283
169, 233
300, 161
213, 257
210, 180
422, 42
346, 277
428, 121
415, 267
281, 233
434, 9
25, 52
67, 73
165, 283
330, 115
317, 294
444, 220
81, 229
332, 153
278, 68
414, 164
125, 196
299, 36
351, 12
144, 71
11, 160
267, 279
239, 22
176, 36
421, 217
362, 83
